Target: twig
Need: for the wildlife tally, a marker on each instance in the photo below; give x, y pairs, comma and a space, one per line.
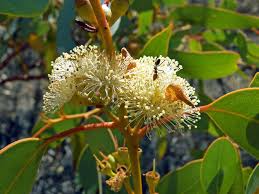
103, 27
80, 129
12, 55
145, 129
23, 78
51, 122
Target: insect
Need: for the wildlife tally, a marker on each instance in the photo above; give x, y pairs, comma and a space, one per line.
86, 27
174, 93
155, 74
157, 63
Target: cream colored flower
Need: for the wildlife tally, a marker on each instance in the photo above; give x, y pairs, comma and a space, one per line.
156, 96
85, 72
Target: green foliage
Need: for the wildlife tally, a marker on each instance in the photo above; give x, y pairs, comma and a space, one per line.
144, 21
158, 44
253, 182
87, 169
65, 20
214, 17
236, 114
210, 41
118, 8
23, 8
19, 164
185, 180
206, 65
255, 81
220, 168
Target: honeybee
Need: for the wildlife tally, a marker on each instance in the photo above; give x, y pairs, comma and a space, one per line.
174, 93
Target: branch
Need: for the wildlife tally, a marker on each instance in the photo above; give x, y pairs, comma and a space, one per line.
51, 122
23, 78
145, 129
79, 129
12, 55
103, 27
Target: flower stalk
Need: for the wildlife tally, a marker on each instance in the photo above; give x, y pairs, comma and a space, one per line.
133, 145
103, 27
51, 122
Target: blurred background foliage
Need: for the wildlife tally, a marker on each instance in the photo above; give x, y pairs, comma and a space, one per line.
216, 42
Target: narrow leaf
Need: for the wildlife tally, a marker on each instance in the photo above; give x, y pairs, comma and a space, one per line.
158, 44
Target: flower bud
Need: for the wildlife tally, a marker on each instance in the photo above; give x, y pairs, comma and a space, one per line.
116, 182
107, 11
152, 179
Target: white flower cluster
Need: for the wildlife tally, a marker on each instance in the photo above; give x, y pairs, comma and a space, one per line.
156, 96
148, 87
86, 73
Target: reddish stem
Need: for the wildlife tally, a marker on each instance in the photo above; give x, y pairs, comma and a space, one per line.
145, 129
79, 129
204, 108
103, 27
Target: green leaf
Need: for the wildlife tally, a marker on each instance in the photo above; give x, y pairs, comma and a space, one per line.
144, 21
194, 45
237, 115
253, 182
118, 8
215, 35
255, 81
253, 49
69, 108
246, 174
219, 167
238, 185
23, 8
211, 3
78, 142
161, 148
19, 162
174, 2
229, 4
99, 140
241, 44
185, 180
158, 44
252, 53
206, 65
214, 17
143, 5
87, 170
64, 27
